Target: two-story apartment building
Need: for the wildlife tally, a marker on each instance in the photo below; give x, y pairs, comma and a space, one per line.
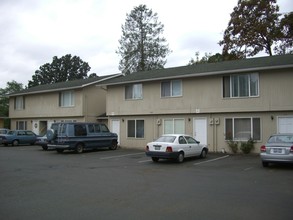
213, 102
38, 107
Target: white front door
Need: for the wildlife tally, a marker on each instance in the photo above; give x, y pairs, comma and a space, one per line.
200, 130
116, 128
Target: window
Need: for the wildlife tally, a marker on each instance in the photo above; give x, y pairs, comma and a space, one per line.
133, 91
174, 126
171, 88
242, 129
80, 130
19, 103
21, 125
135, 128
245, 85
66, 99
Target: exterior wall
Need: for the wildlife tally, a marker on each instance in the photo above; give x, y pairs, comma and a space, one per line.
41, 110
202, 98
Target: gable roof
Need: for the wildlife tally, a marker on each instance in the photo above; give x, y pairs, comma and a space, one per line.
225, 67
61, 86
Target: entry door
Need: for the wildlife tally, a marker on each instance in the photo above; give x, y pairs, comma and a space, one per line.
116, 128
200, 130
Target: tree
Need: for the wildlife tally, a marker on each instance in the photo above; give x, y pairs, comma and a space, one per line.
11, 87
286, 25
253, 27
141, 45
61, 69
207, 58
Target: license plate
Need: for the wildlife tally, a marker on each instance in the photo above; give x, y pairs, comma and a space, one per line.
277, 151
157, 147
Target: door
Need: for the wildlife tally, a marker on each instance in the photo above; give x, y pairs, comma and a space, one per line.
116, 128
200, 130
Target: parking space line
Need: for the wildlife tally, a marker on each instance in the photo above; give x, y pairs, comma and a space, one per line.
144, 161
207, 161
123, 155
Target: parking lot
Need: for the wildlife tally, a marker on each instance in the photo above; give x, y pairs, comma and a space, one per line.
125, 184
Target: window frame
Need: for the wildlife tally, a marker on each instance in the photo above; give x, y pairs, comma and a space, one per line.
71, 101
133, 91
135, 129
170, 84
173, 121
252, 86
253, 126
19, 103
21, 125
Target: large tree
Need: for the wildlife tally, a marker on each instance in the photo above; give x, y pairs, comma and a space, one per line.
286, 41
142, 46
61, 69
11, 87
253, 27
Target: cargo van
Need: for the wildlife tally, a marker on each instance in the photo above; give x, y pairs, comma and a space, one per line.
80, 136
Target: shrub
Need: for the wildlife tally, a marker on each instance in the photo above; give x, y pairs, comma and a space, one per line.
247, 147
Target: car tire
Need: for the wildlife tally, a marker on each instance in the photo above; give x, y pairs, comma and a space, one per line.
59, 150
203, 153
45, 147
113, 145
15, 142
180, 157
155, 159
265, 164
79, 148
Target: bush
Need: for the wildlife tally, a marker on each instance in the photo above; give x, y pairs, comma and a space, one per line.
247, 147
233, 145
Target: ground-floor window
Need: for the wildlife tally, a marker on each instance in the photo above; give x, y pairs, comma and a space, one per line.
21, 125
174, 126
242, 129
135, 128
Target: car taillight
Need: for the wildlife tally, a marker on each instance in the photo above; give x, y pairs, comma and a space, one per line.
263, 148
169, 149
147, 148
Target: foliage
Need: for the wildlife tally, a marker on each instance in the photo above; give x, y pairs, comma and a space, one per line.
247, 147
253, 27
11, 87
141, 45
207, 58
233, 145
60, 70
286, 25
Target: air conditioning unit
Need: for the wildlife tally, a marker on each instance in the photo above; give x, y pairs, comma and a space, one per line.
158, 121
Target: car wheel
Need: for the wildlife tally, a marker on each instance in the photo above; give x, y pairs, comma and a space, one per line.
265, 164
45, 147
79, 148
180, 157
113, 145
155, 159
15, 143
60, 150
203, 154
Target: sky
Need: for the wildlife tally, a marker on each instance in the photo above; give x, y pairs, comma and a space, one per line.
34, 31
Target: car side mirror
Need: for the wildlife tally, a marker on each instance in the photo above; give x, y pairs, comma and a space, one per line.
198, 142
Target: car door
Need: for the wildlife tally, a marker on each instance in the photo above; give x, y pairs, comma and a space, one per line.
183, 145
194, 147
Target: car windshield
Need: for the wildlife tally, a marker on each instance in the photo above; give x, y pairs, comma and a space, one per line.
281, 139
169, 139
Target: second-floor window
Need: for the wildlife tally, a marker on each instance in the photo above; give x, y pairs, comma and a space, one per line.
19, 103
66, 99
171, 88
244, 85
133, 91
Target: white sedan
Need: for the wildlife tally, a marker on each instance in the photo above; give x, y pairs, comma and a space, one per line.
175, 146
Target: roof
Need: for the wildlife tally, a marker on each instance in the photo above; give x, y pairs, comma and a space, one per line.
225, 67
74, 84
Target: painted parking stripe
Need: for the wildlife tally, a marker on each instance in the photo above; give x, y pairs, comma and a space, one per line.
207, 161
122, 155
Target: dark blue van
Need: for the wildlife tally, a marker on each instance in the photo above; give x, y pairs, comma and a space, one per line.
80, 136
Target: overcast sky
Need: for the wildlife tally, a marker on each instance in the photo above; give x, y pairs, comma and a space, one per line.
33, 31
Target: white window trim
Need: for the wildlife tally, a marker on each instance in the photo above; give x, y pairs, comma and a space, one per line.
171, 89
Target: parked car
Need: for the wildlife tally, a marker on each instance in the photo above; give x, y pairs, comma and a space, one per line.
42, 141
175, 146
3, 131
80, 136
17, 137
278, 149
